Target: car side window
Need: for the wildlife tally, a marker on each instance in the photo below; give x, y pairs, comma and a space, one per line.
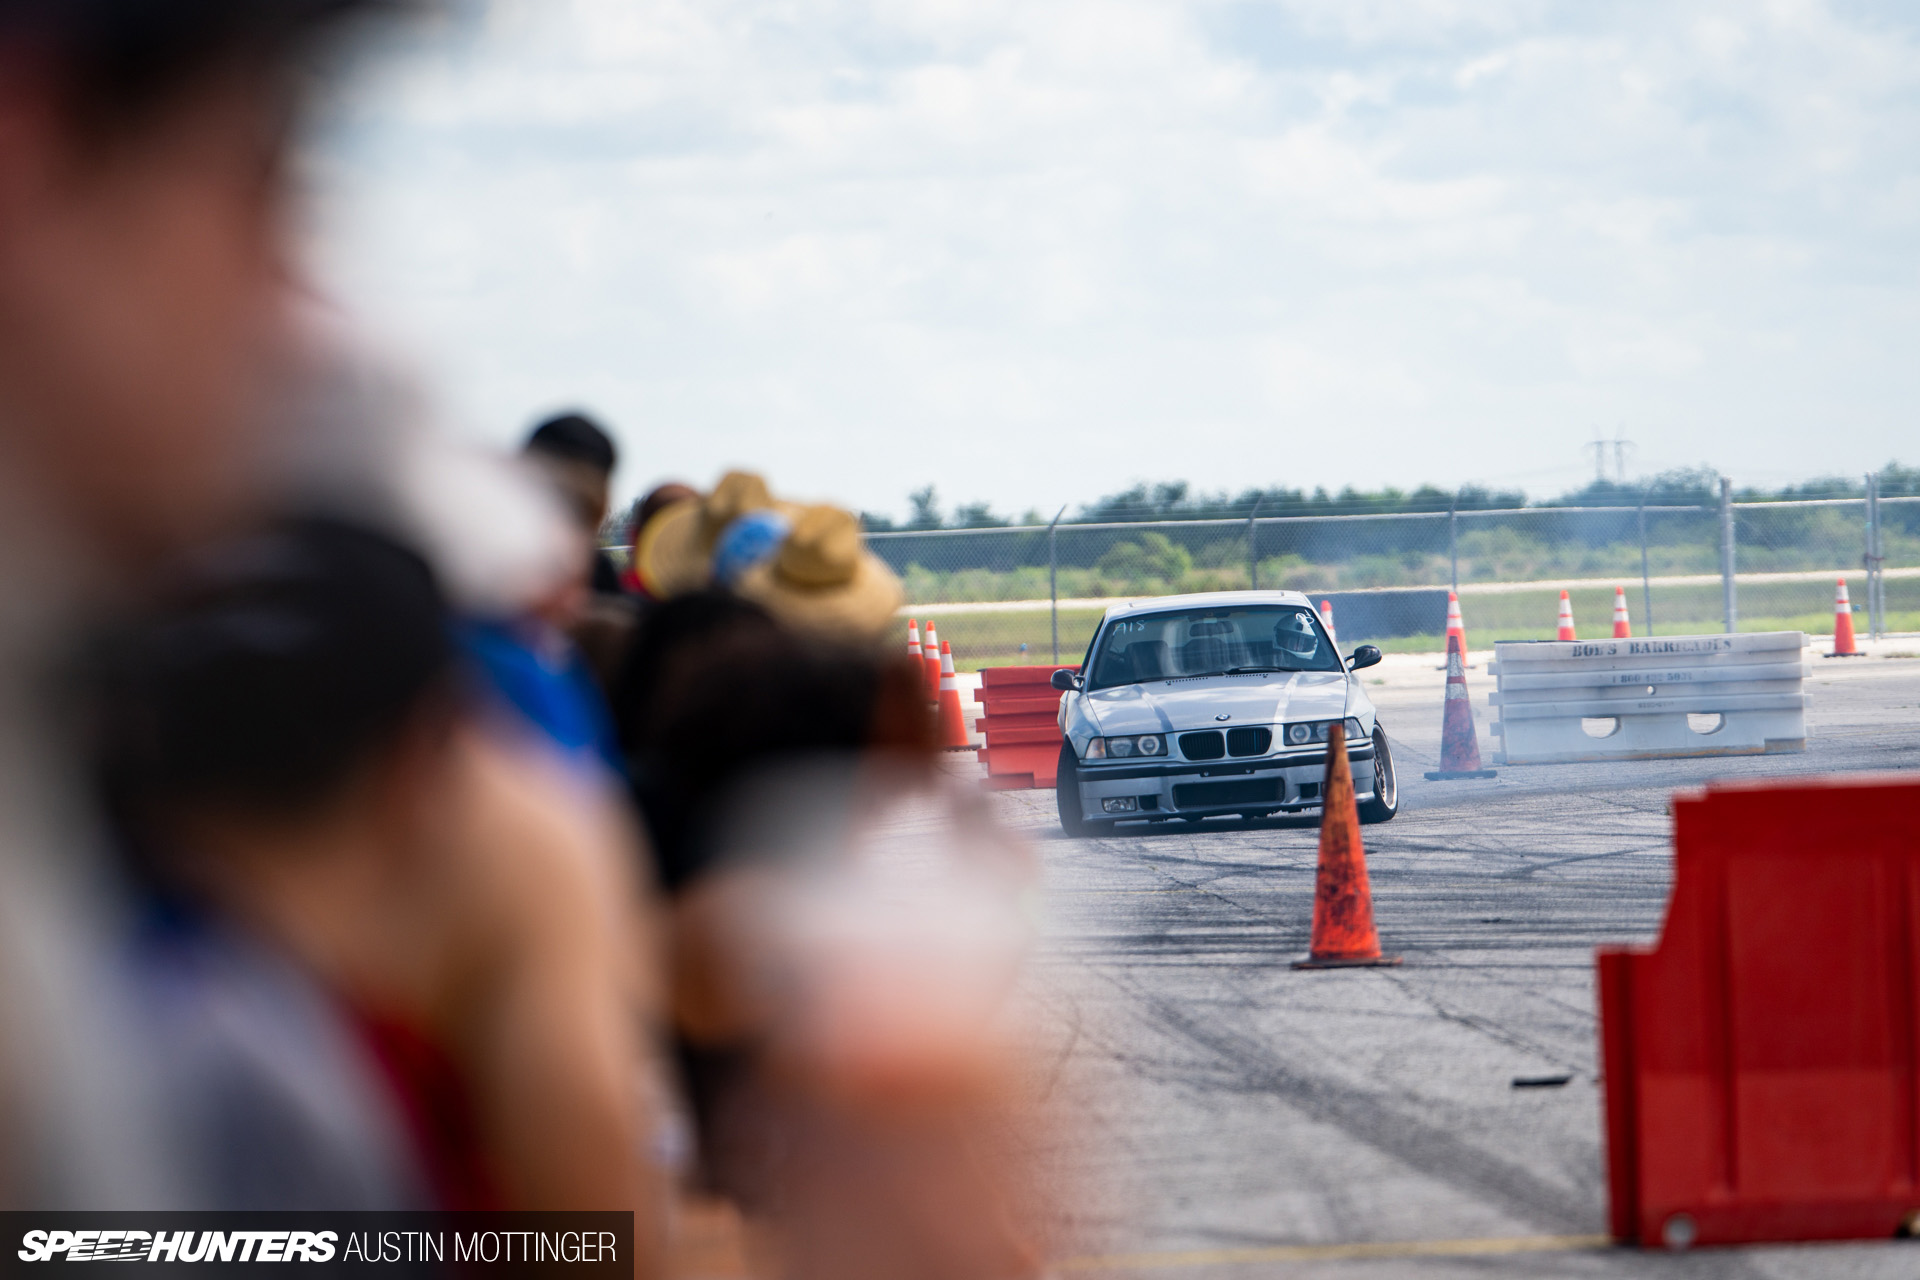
1115, 664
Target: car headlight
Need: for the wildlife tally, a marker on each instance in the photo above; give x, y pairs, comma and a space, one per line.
1299, 735
1144, 744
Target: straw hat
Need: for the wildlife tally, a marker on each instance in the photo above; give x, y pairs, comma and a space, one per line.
824, 580
674, 552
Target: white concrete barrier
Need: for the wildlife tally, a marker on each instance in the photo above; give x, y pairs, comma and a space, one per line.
1565, 700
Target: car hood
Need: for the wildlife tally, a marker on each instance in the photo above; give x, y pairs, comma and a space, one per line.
1168, 706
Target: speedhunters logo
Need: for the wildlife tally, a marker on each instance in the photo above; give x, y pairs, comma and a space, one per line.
495, 1244
178, 1246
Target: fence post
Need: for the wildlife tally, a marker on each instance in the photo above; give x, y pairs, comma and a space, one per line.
1453, 540
1730, 604
1866, 555
1646, 579
1875, 589
1053, 581
1253, 545
1879, 560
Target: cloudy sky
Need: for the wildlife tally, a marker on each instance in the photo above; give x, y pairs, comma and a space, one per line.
1034, 250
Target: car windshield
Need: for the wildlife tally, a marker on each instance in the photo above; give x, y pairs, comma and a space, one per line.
1211, 641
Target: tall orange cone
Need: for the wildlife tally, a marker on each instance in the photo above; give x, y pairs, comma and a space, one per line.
1843, 645
1459, 744
913, 640
1566, 619
953, 721
1326, 620
1622, 629
1343, 933
930, 650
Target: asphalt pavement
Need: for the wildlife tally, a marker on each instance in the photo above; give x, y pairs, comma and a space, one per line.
1236, 1118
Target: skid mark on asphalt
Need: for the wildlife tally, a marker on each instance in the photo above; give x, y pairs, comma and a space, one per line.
1336, 1253
1582, 1015
1487, 1027
1372, 1119
1533, 868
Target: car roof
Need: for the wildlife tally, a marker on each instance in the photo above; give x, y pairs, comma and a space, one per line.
1204, 599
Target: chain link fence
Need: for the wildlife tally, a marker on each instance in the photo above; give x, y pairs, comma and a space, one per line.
1027, 593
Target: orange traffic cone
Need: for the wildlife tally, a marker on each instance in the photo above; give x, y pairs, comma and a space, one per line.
1343, 933
1843, 645
1459, 744
913, 640
1326, 620
1566, 619
953, 721
1622, 629
1455, 627
930, 651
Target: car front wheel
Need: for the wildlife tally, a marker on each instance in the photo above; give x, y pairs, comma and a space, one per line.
1066, 794
1386, 787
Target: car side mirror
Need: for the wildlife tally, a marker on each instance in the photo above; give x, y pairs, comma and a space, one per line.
1064, 679
1365, 656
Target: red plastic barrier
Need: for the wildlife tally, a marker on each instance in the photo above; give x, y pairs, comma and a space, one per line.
1762, 1063
1021, 725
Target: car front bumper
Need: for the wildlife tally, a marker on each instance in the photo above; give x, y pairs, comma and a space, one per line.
1184, 788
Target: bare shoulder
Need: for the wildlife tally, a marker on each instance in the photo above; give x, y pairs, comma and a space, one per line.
551, 850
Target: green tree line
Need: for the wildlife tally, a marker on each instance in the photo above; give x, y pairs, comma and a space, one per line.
1178, 500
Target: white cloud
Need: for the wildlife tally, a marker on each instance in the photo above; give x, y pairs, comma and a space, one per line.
1034, 250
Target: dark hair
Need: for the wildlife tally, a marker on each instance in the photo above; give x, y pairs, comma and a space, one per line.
715, 688
575, 438
676, 631
285, 661
117, 61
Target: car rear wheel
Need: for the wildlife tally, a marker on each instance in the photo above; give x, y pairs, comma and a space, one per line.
1386, 787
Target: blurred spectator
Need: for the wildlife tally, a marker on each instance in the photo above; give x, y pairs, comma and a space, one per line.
778, 658
579, 458
293, 662
657, 499
145, 283
552, 656
296, 755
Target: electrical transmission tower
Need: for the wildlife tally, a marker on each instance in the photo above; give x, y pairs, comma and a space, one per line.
1620, 448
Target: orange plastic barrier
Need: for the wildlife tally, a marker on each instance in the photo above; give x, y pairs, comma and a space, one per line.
1762, 1063
1021, 722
